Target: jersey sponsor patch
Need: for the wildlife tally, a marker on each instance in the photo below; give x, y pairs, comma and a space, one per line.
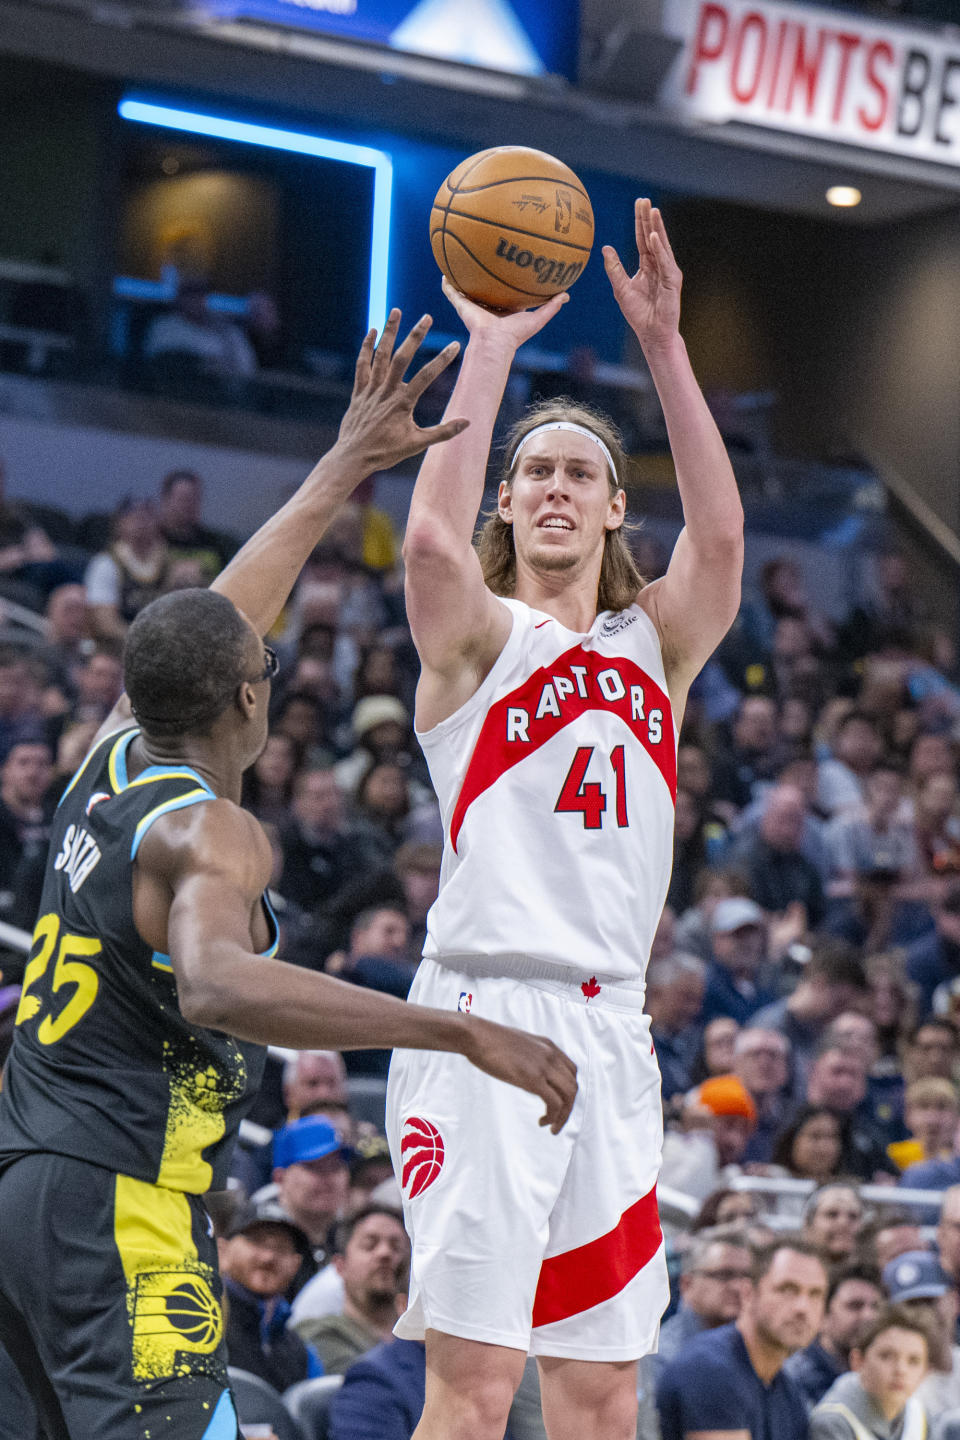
422, 1153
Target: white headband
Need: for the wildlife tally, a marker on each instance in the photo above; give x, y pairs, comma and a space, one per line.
577, 430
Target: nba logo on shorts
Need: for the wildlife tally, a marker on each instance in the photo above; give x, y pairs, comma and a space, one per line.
464, 1003
421, 1150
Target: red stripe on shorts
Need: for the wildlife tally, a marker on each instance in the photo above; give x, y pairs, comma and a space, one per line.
579, 1279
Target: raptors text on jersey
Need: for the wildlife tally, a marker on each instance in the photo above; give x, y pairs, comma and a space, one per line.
557, 783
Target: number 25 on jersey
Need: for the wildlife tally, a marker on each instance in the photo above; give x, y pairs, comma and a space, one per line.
68, 971
588, 797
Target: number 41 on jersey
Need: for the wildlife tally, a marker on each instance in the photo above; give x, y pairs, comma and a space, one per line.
588, 797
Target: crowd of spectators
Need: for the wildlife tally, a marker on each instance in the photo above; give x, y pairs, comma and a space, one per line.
803, 990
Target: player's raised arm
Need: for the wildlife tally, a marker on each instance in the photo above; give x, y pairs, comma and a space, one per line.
216, 861
695, 603
377, 432
458, 627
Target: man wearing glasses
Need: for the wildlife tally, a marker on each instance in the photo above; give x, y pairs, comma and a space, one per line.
713, 1282
150, 990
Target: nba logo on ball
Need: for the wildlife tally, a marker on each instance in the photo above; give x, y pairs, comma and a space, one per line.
421, 1151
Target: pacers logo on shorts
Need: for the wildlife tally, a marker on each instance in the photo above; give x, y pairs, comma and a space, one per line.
173, 1310
421, 1150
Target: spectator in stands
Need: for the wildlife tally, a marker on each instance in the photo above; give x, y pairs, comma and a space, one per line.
838, 1082
892, 1233
854, 1300
371, 1168
21, 714
936, 830
872, 836
711, 1135
715, 1055
371, 1253
268, 784
832, 980
311, 1178
725, 1207
417, 866
948, 1235
181, 508
131, 572
730, 1379
917, 1281
739, 944
321, 851
931, 1113
99, 682
259, 1259
218, 348
878, 1398
934, 958
312, 1079
30, 567
715, 1275
761, 1059
754, 755
933, 1049
382, 734
674, 999
843, 776
25, 816
779, 872
814, 1146
67, 636
832, 1218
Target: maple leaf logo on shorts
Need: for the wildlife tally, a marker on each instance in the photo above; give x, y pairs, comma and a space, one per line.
421, 1150
591, 988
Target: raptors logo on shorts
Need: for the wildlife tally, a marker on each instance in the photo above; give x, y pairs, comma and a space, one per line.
421, 1149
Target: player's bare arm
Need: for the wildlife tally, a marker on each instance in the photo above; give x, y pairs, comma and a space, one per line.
377, 431
214, 860
458, 626
695, 603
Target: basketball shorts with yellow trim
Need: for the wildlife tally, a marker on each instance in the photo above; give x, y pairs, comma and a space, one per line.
541, 1242
111, 1304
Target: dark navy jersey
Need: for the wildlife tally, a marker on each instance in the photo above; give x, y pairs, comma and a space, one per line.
104, 1067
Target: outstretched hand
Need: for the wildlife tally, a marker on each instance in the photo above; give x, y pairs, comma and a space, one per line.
379, 426
531, 1062
650, 299
513, 328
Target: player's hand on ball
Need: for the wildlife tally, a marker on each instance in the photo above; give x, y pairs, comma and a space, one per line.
379, 422
650, 299
514, 328
532, 1062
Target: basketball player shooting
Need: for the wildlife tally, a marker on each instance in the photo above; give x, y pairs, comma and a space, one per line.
552, 689
150, 989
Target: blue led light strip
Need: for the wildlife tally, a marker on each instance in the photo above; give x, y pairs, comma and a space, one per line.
298, 143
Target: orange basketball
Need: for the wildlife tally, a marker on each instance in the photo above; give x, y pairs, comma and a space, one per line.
510, 227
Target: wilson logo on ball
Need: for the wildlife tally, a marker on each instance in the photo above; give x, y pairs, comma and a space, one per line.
421, 1150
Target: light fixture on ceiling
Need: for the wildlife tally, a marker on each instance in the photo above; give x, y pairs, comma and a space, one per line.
843, 196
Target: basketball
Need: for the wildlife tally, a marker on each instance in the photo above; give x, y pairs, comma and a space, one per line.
510, 227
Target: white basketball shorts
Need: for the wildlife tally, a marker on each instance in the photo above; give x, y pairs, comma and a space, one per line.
544, 1243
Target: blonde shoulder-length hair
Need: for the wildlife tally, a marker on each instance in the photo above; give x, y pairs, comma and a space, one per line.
620, 580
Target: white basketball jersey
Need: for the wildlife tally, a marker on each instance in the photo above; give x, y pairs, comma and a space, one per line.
557, 784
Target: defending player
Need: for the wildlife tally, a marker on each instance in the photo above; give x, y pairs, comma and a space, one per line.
148, 992
551, 732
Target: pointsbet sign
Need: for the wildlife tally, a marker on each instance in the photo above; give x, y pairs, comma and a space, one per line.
818, 72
